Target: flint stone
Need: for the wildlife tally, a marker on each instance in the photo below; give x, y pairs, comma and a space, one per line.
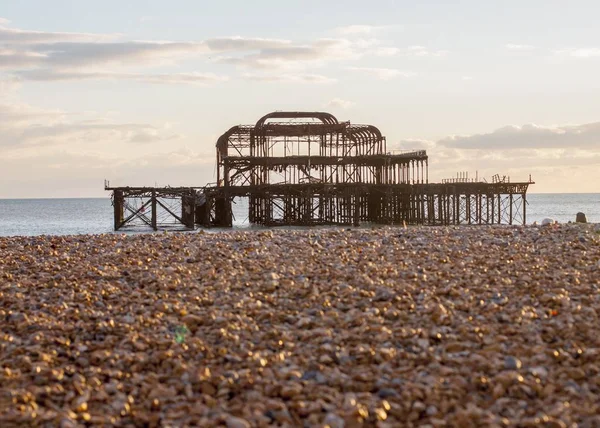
580, 218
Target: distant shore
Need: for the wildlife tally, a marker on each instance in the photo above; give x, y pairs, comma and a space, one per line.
428, 325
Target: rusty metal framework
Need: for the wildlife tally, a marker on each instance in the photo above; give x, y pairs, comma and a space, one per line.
302, 168
308, 168
153, 207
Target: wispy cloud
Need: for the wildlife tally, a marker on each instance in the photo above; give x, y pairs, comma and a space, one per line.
291, 55
26, 126
18, 36
60, 56
240, 44
4, 21
340, 103
193, 78
530, 136
423, 51
289, 78
383, 73
565, 156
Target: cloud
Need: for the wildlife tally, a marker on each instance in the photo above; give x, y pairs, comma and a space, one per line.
551, 154
518, 47
579, 52
340, 103
22, 125
422, 51
36, 49
193, 78
22, 50
174, 167
13, 59
289, 78
124, 53
238, 43
4, 21
412, 144
383, 73
71, 133
56, 56
61, 56
530, 136
15, 115
293, 55
72, 55
411, 51
18, 36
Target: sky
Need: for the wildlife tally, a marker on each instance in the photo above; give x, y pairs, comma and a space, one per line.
138, 92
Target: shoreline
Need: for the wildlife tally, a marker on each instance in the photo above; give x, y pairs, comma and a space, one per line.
446, 326
259, 228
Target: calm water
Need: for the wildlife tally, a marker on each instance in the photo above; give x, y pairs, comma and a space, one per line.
93, 216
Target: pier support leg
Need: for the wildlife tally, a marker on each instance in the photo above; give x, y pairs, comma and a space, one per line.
510, 220
356, 210
499, 209
154, 226
118, 208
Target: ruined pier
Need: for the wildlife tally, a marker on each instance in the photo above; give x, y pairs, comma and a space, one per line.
309, 169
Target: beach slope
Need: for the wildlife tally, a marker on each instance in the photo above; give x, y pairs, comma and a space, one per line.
457, 326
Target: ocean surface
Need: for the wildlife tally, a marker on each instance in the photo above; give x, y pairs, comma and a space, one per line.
94, 216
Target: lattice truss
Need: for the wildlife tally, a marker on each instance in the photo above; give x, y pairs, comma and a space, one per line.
467, 209
158, 209
299, 148
140, 211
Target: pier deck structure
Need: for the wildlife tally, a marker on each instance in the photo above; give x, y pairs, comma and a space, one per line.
305, 169
309, 169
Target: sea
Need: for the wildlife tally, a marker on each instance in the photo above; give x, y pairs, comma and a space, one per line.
30, 217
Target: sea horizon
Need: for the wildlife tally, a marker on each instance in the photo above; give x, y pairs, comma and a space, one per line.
94, 215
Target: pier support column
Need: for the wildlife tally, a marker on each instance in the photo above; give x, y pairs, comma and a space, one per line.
154, 226
356, 213
118, 208
499, 209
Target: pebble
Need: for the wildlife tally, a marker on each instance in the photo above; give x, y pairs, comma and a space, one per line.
512, 363
440, 326
333, 421
387, 392
233, 422
431, 411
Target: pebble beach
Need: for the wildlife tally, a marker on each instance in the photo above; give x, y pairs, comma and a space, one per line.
419, 326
